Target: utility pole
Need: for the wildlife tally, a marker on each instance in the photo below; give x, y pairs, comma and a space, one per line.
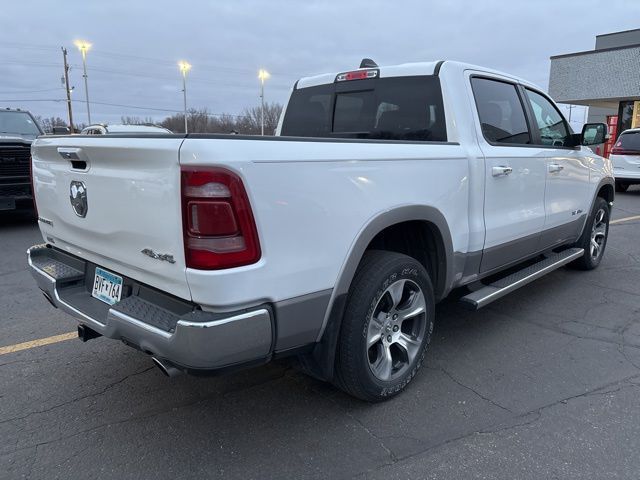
66, 86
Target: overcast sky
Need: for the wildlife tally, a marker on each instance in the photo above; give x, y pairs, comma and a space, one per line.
137, 43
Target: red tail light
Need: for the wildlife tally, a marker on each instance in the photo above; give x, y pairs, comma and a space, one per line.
218, 226
33, 186
624, 151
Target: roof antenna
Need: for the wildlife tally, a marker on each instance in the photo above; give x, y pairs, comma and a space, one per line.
368, 63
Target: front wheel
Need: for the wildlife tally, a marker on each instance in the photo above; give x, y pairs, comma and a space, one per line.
386, 328
594, 237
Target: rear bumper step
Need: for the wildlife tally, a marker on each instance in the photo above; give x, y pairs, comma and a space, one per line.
500, 288
188, 338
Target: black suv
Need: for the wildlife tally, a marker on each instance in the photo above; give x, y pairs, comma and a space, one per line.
17, 130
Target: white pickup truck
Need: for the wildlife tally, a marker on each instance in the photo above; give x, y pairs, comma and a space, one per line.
384, 189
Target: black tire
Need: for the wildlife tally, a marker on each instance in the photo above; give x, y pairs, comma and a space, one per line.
380, 271
621, 187
588, 261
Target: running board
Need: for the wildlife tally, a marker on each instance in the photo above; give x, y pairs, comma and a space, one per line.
500, 288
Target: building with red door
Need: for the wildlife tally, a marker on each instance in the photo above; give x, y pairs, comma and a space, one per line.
606, 79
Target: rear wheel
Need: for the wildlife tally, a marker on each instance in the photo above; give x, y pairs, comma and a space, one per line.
621, 186
594, 237
386, 328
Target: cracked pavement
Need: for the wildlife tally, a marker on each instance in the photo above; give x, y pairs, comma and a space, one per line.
544, 383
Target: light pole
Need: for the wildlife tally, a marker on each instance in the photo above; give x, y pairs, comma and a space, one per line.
84, 47
262, 75
184, 68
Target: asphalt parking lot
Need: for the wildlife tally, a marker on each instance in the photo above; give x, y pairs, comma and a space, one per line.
544, 383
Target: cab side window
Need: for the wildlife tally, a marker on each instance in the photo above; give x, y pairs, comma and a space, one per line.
553, 128
501, 113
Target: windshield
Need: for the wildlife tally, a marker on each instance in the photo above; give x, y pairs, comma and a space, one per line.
395, 108
18, 122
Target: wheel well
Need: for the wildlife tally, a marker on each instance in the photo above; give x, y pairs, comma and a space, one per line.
418, 239
606, 192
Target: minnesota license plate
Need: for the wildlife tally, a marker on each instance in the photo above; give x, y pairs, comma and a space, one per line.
107, 286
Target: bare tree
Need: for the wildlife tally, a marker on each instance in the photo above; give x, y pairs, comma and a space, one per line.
252, 120
126, 120
47, 123
201, 121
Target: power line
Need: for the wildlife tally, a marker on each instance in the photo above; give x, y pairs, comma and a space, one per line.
157, 109
27, 46
20, 92
124, 73
31, 100
31, 64
203, 65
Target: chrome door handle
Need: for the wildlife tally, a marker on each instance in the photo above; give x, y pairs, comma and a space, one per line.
501, 171
554, 168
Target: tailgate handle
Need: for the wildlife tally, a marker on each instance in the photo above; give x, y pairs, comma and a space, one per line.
75, 156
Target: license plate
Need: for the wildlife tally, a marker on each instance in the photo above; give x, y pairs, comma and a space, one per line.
107, 286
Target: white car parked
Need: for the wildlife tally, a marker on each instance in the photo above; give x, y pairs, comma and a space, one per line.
625, 157
384, 189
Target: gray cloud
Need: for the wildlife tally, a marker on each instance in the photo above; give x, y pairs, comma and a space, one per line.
136, 45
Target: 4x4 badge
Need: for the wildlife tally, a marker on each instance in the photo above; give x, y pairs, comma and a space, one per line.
78, 198
167, 257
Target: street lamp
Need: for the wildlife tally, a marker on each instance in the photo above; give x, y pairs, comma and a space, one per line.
84, 48
262, 75
184, 68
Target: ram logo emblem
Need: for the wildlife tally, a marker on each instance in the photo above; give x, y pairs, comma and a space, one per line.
78, 198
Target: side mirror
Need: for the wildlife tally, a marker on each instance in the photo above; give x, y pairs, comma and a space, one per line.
594, 133
60, 131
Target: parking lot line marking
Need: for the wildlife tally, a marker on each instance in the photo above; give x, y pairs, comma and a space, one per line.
37, 343
626, 219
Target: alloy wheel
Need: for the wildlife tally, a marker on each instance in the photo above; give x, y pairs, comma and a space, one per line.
396, 329
598, 234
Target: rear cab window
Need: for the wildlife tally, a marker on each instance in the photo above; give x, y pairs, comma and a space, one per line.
501, 113
629, 143
394, 108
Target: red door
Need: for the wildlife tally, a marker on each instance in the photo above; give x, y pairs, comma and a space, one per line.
612, 124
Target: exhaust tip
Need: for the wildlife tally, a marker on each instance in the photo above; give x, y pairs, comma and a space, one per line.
166, 368
85, 333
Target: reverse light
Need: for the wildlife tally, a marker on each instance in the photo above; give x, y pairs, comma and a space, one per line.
218, 226
356, 75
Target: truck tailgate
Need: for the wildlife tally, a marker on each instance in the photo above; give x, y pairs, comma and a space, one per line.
132, 188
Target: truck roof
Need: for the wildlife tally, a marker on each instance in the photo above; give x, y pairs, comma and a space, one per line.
410, 69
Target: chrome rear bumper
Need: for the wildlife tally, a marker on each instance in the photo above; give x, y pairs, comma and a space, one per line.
158, 324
